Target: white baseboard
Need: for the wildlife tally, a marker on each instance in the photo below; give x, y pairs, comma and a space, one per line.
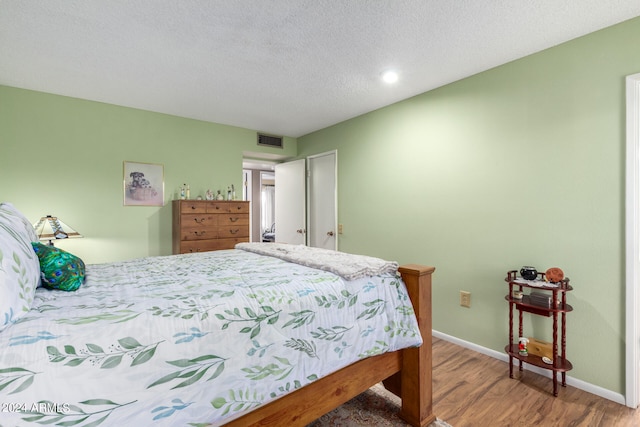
582, 385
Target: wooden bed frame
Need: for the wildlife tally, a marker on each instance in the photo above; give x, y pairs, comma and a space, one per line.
406, 373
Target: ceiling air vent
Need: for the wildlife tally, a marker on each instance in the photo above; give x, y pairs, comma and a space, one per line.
270, 140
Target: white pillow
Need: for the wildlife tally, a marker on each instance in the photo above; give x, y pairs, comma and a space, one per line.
20, 220
19, 265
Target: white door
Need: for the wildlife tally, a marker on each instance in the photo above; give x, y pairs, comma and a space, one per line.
322, 196
290, 202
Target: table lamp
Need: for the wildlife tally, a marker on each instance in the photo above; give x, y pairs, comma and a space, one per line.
50, 227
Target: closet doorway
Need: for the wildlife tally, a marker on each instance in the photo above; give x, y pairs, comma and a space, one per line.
258, 188
267, 206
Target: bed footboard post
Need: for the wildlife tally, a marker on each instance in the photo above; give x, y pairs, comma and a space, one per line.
415, 378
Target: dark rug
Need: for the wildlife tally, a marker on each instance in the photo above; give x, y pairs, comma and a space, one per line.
374, 407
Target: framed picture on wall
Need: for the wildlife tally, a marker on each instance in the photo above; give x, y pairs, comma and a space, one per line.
143, 184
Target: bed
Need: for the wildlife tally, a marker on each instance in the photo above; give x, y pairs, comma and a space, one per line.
264, 334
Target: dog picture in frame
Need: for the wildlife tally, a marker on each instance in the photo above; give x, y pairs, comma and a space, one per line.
143, 184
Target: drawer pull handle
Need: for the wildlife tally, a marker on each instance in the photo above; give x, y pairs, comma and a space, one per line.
233, 219
234, 231
199, 233
199, 221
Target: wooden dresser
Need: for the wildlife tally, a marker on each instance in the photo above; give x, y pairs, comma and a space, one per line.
202, 225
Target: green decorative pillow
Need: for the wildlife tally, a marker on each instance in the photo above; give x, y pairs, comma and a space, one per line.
59, 269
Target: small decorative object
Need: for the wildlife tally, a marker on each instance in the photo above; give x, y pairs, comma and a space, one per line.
183, 192
228, 193
554, 274
522, 346
209, 195
516, 294
233, 192
199, 198
528, 272
219, 196
188, 192
143, 184
542, 299
540, 348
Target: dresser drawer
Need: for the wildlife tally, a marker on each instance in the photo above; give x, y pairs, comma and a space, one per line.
193, 206
199, 221
231, 207
232, 231
196, 233
233, 219
209, 245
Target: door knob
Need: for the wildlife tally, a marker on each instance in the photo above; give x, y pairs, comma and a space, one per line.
330, 233
301, 231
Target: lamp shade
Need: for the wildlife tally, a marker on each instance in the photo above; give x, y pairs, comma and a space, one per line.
50, 227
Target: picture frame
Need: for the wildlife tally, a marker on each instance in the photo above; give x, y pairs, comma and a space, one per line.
143, 184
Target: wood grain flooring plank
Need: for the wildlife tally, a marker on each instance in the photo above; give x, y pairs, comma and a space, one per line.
471, 389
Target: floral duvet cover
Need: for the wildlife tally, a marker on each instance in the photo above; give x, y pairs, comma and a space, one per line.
191, 340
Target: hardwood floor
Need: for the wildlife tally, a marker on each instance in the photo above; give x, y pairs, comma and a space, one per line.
471, 389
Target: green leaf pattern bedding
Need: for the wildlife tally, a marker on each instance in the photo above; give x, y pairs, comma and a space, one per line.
191, 340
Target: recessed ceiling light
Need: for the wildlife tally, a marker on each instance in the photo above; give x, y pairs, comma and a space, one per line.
390, 77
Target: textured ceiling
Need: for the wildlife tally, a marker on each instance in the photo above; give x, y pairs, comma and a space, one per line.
283, 67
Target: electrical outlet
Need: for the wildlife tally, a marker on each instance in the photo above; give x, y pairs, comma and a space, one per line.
340, 228
465, 299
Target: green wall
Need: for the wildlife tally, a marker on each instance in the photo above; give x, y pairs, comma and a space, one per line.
519, 165
64, 156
